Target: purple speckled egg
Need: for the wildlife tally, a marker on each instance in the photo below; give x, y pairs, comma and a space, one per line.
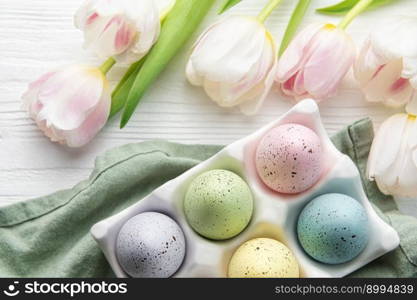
289, 158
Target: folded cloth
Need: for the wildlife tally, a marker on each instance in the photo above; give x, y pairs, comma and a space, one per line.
49, 236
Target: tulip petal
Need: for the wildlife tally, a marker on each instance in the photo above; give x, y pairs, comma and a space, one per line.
30, 97
413, 145
299, 84
387, 85
332, 54
406, 181
84, 15
148, 28
110, 36
253, 89
411, 107
221, 43
92, 124
294, 56
393, 164
67, 106
400, 93
316, 62
383, 155
229, 63
252, 106
413, 82
394, 38
288, 86
367, 64
123, 29
192, 75
406, 185
70, 105
387, 66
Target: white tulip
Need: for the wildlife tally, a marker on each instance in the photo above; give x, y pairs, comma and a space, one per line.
386, 68
234, 61
393, 158
70, 105
123, 29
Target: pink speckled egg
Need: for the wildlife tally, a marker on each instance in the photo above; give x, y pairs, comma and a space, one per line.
289, 158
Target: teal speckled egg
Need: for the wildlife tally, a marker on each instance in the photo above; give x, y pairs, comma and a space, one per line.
333, 228
218, 204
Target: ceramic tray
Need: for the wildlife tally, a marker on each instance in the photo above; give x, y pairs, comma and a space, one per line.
275, 215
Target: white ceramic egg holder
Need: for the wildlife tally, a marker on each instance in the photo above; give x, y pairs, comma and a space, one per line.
275, 215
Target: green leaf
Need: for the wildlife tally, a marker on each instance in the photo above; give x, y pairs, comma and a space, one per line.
227, 4
180, 23
295, 21
346, 5
120, 93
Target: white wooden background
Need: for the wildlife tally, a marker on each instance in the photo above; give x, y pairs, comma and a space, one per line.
37, 35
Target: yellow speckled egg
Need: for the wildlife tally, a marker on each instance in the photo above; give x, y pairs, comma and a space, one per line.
263, 258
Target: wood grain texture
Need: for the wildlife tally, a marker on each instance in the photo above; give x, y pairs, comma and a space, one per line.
38, 35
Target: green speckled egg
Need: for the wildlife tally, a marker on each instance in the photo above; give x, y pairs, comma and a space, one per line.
218, 204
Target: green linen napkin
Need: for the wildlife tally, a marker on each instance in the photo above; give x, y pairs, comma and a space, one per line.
49, 236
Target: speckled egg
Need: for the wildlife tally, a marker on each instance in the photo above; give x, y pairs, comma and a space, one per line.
333, 228
150, 245
218, 204
289, 158
263, 258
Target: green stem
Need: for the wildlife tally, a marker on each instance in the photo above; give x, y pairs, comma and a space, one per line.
267, 10
354, 12
107, 65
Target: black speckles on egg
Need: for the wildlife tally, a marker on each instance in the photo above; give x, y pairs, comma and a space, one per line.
218, 204
289, 158
150, 245
333, 228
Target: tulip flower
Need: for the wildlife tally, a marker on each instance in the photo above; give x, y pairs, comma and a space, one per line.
315, 62
393, 158
70, 105
318, 59
234, 60
386, 68
123, 29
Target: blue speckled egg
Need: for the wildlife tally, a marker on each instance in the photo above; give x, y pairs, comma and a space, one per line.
150, 245
333, 228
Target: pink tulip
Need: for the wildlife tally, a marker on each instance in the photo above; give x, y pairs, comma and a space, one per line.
70, 105
316, 62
